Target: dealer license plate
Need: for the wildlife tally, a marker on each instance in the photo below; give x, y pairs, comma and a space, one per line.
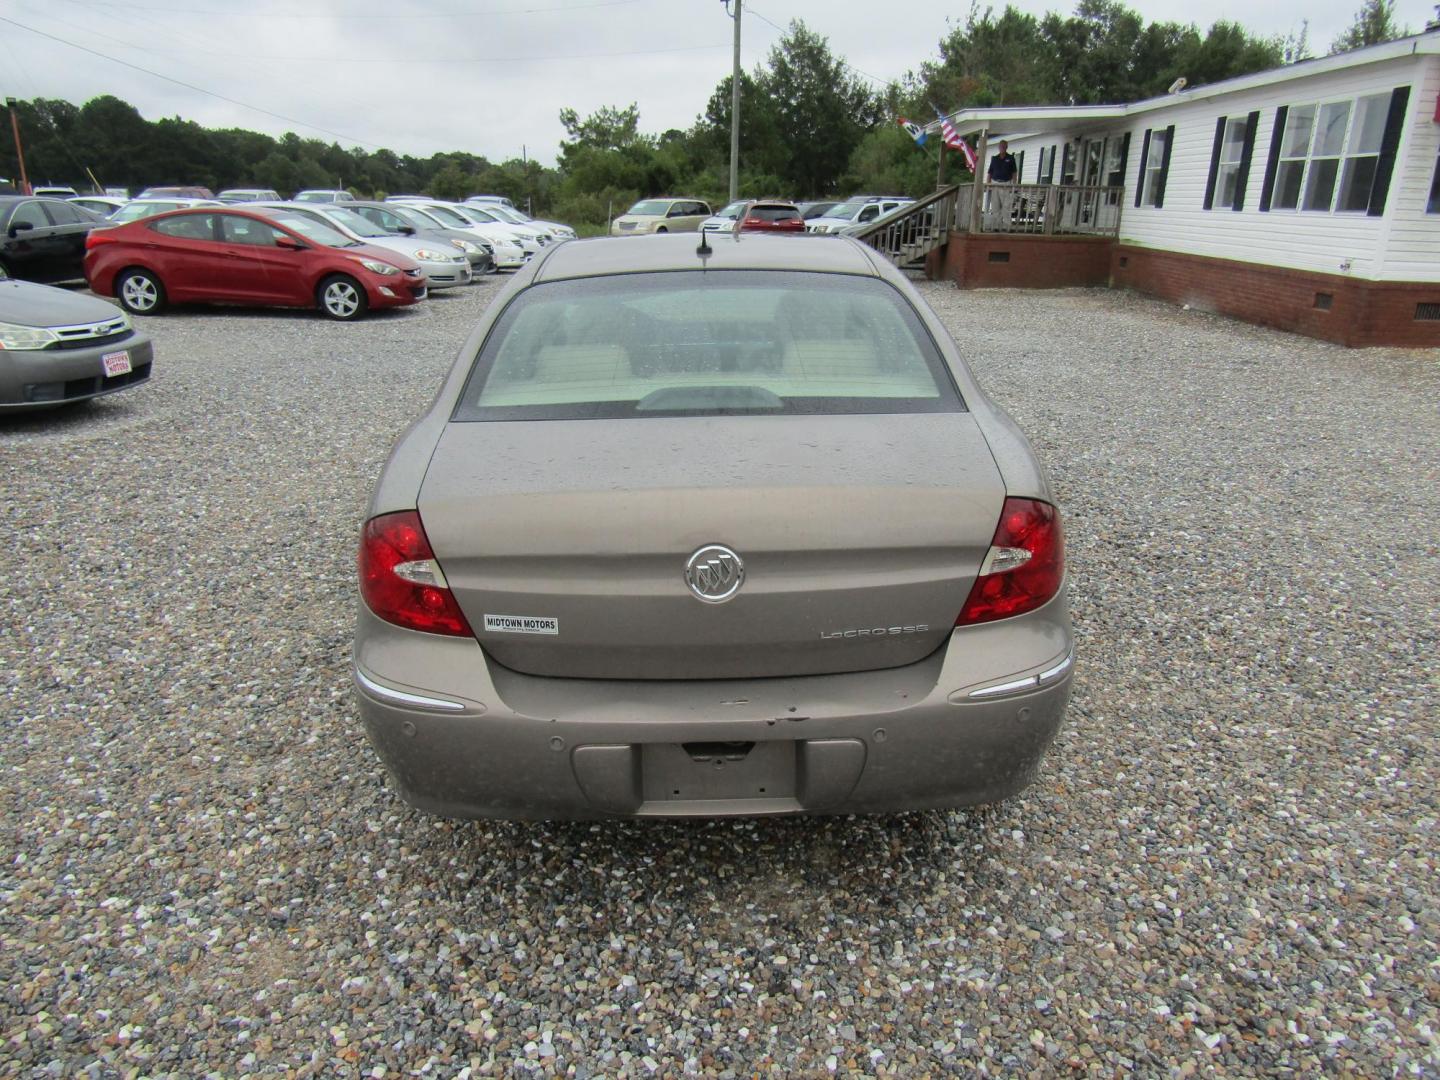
116, 363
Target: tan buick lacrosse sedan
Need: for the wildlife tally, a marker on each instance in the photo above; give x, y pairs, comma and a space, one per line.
696, 530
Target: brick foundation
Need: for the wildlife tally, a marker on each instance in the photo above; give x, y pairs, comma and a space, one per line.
994, 261
1332, 307
1356, 312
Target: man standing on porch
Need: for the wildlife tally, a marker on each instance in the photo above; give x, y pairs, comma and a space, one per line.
1002, 171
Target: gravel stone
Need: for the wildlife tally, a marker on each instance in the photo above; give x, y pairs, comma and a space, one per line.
1226, 867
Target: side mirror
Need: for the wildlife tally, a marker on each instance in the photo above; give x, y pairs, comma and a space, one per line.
289, 243
407, 230
19, 227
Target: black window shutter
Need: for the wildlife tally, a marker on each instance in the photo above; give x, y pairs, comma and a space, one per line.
1140, 174
1164, 167
1019, 168
1389, 143
1242, 177
1050, 168
1214, 162
1273, 162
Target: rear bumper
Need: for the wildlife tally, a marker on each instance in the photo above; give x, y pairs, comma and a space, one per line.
463, 737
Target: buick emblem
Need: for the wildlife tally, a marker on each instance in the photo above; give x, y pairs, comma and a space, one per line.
714, 573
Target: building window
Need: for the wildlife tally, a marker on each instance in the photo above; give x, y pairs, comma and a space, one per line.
1047, 165
1433, 207
1116, 151
1067, 164
1230, 161
1330, 155
1232, 148
1154, 167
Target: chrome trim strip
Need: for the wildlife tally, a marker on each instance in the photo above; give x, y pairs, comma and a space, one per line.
1004, 688
1059, 669
399, 697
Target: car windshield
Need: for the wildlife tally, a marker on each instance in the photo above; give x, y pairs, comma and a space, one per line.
695, 343
309, 228
360, 226
501, 212
315, 196
733, 210
450, 217
416, 219
847, 209
650, 208
135, 211
482, 217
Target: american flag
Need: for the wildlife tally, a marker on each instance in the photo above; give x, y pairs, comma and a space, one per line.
954, 141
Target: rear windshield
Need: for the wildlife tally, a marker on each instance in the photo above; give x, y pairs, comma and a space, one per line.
695, 343
773, 213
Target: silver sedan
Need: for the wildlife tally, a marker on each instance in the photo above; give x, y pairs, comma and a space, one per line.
445, 267
59, 347
711, 530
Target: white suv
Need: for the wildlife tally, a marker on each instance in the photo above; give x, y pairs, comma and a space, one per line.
860, 210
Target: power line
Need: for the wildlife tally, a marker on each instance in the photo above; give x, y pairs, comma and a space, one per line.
348, 16
192, 86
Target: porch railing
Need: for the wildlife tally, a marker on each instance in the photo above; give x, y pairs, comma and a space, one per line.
1049, 209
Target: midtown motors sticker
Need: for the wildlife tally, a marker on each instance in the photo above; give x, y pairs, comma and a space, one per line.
522, 624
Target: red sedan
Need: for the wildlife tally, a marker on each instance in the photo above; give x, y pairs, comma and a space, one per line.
233, 256
773, 217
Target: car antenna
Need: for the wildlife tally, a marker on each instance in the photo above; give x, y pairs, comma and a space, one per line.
704, 250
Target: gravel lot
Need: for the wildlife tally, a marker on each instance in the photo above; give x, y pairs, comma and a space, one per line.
1227, 866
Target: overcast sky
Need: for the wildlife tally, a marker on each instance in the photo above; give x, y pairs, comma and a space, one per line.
487, 76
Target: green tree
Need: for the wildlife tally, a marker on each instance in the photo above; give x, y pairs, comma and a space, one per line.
821, 108
1374, 23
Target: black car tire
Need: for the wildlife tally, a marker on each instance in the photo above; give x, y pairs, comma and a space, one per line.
140, 292
341, 297
661, 229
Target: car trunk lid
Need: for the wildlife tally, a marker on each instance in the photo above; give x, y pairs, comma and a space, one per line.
860, 537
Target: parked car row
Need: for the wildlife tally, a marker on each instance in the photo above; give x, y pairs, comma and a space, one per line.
669, 215
342, 257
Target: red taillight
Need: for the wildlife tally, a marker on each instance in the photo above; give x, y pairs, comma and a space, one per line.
401, 581
96, 237
1025, 564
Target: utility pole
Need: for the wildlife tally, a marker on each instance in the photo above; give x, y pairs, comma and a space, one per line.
735, 107
20, 154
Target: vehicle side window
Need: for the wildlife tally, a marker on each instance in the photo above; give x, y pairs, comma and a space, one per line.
62, 213
187, 227
870, 213
242, 230
29, 213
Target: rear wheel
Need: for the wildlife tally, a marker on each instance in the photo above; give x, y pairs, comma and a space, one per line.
661, 229
140, 292
341, 297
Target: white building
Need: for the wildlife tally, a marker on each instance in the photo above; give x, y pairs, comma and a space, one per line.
1306, 197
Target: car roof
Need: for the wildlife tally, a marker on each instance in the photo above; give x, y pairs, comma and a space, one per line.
604, 256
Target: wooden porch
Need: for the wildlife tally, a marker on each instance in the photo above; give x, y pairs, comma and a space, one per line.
910, 235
